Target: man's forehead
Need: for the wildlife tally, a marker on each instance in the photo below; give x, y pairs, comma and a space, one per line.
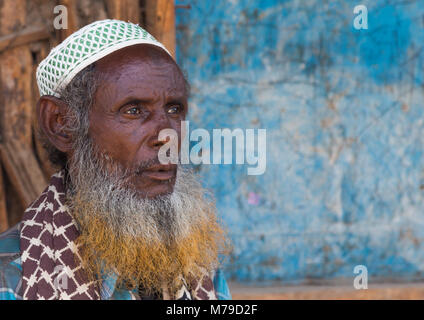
142, 88
140, 72
139, 65
142, 54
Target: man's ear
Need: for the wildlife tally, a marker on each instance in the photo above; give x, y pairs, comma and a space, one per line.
51, 113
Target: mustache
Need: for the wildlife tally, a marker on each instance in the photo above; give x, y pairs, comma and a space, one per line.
119, 171
143, 165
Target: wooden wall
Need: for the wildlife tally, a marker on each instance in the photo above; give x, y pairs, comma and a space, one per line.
26, 37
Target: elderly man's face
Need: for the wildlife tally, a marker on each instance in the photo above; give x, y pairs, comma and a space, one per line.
141, 91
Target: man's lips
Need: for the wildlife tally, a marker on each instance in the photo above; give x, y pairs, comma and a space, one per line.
161, 172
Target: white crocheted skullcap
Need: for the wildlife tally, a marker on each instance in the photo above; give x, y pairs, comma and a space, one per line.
84, 47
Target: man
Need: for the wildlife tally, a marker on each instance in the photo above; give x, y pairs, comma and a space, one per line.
114, 223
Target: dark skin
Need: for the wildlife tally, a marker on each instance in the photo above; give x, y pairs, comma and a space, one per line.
141, 91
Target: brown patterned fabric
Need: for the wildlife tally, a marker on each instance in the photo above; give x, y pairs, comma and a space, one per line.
204, 289
51, 265
48, 249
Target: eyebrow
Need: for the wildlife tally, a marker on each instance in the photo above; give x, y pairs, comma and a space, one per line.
137, 99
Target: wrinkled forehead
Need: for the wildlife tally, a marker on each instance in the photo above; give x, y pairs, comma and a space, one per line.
140, 69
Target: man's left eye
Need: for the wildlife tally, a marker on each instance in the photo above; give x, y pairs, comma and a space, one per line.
174, 109
133, 110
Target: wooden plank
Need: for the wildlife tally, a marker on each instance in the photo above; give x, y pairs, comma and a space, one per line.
16, 109
12, 16
23, 170
125, 10
15, 69
23, 37
4, 224
160, 22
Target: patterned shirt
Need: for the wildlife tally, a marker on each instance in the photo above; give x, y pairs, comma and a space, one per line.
11, 274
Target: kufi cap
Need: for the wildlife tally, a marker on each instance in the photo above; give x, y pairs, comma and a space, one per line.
84, 47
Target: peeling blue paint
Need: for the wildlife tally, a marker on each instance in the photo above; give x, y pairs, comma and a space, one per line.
343, 109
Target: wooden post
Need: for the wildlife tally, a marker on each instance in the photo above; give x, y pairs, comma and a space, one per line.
73, 23
23, 37
125, 10
16, 145
160, 22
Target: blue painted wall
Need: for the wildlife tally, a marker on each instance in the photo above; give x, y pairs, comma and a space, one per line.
344, 113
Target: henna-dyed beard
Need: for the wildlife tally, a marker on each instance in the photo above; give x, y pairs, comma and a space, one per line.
148, 242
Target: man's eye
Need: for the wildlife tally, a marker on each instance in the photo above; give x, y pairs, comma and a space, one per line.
174, 109
133, 110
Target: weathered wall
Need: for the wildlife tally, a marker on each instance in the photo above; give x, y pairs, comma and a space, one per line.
343, 110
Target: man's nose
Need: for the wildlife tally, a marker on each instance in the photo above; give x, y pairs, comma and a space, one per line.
161, 121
